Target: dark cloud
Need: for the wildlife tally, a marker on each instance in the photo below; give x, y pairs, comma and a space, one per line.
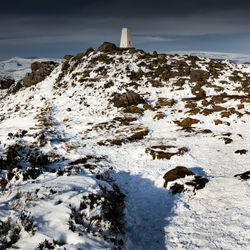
129, 8
30, 25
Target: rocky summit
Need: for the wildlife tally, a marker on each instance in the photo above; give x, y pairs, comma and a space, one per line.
124, 149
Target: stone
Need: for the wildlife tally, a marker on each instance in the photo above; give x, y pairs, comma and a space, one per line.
40, 70
187, 122
176, 173
88, 51
6, 83
241, 151
127, 99
107, 47
244, 176
15, 87
67, 57
199, 182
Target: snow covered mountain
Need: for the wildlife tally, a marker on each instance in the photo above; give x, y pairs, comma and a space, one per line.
123, 149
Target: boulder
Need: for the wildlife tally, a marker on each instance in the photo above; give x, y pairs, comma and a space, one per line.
198, 75
244, 176
241, 151
67, 57
88, 51
78, 57
40, 70
6, 83
176, 173
198, 182
187, 122
15, 87
107, 47
127, 99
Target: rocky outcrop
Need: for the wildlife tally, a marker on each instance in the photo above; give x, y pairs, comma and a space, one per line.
127, 99
187, 122
88, 51
197, 182
15, 87
40, 70
6, 83
67, 57
107, 47
244, 176
176, 173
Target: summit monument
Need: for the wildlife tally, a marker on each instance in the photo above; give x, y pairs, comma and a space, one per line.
126, 39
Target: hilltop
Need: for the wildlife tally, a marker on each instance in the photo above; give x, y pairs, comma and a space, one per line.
86, 146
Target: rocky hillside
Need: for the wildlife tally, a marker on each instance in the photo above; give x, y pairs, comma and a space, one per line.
123, 149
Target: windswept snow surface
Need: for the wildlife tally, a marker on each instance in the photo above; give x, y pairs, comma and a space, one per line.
75, 114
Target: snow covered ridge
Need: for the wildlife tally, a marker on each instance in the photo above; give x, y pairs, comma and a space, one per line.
233, 57
123, 149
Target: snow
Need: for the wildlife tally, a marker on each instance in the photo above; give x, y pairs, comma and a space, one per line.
216, 217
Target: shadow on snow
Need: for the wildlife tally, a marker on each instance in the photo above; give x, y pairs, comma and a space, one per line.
148, 211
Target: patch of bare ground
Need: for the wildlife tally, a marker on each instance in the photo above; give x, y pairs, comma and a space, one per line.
244, 176
197, 182
161, 152
136, 134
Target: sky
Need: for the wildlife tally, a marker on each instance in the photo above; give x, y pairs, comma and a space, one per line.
53, 28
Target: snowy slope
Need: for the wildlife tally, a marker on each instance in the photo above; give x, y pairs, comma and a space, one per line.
71, 154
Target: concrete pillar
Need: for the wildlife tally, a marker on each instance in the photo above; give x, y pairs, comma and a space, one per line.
126, 39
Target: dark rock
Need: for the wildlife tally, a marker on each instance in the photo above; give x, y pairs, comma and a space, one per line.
35, 66
176, 173
10, 175
3, 164
31, 173
40, 70
177, 188
67, 57
15, 87
78, 56
88, 51
198, 75
199, 182
107, 47
60, 172
6, 83
65, 66
4, 183
79, 161
12, 153
227, 140
127, 99
241, 151
187, 122
244, 176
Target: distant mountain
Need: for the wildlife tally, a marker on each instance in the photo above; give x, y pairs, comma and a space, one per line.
16, 68
233, 57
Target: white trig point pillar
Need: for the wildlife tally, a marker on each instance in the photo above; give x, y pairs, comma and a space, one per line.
126, 39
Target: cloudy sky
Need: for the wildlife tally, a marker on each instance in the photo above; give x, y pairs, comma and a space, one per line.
53, 28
